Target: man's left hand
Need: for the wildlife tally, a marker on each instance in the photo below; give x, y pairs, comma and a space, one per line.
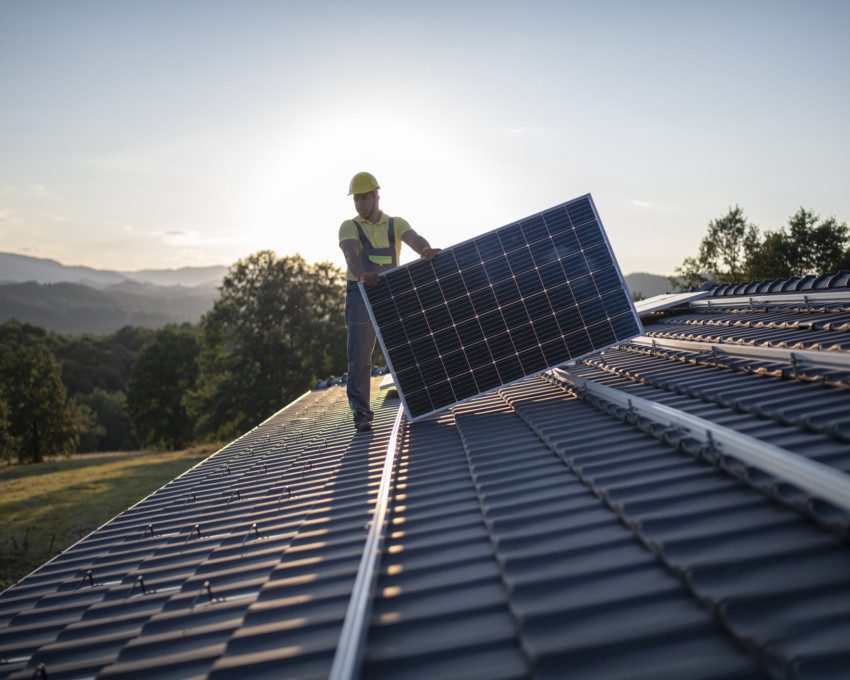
429, 253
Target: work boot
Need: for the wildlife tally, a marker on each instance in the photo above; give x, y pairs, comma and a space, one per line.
362, 421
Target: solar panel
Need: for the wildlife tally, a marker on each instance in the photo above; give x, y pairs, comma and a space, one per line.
510, 303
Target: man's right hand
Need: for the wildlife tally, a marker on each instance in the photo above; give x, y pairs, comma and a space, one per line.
369, 278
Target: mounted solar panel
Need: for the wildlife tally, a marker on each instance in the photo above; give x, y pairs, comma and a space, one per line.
668, 300
510, 303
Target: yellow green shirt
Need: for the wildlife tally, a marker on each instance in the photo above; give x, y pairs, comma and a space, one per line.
378, 234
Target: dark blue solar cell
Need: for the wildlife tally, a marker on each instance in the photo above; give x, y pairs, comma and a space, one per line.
497, 269
447, 340
569, 319
486, 377
543, 252
456, 363
474, 278
492, 323
416, 326
520, 261
555, 352
385, 312
524, 337
583, 288
601, 334
574, 266
566, 243
441, 393
433, 371
537, 306
461, 309
424, 349
422, 273
534, 229
469, 332
378, 293
500, 345
444, 264
515, 315
506, 291
484, 300
418, 402
489, 246
561, 297
580, 211
398, 280
556, 221
466, 255
625, 325
464, 386
552, 275
608, 282
532, 360
578, 343
438, 318
411, 378
394, 334
529, 283
547, 328
407, 303
589, 235
430, 295
478, 355
511, 239
452, 286
592, 311
509, 368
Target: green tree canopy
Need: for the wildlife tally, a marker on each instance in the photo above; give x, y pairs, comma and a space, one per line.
734, 251
41, 420
277, 327
164, 373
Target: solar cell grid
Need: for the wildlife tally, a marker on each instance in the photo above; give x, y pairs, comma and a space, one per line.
509, 303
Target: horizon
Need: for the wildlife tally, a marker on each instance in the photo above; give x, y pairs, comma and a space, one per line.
169, 135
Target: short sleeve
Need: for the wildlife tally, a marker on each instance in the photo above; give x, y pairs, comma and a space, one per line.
347, 230
401, 226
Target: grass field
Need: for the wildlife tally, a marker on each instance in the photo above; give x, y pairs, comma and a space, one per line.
47, 507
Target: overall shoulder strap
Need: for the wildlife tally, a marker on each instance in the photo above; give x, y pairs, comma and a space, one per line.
360, 232
392, 231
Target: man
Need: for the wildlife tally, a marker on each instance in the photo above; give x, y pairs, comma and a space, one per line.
371, 243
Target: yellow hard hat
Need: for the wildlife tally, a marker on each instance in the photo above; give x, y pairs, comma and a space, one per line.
363, 183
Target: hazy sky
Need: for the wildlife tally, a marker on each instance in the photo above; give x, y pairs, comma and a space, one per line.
151, 133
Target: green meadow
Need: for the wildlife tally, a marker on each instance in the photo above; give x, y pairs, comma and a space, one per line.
46, 508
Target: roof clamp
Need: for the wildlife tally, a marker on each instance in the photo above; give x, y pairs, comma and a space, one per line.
795, 365
256, 530
140, 582
209, 590
40, 672
285, 491
235, 493
88, 576
808, 303
752, 304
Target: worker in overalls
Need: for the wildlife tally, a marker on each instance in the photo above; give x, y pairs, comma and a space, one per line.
371, 243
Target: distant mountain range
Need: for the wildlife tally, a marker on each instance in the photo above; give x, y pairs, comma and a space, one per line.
21, 268
78, 300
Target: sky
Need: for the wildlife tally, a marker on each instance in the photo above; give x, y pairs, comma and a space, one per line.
161, 134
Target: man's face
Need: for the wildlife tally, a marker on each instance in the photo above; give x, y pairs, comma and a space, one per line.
365, 203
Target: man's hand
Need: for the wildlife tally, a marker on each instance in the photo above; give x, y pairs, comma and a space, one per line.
369, 278
430, 253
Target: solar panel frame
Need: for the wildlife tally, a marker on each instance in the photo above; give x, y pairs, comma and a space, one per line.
481, 272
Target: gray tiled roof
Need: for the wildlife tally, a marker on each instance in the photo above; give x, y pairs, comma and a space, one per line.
540, 531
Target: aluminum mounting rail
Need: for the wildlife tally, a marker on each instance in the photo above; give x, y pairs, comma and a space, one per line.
349, 650
839, 360
810, 298
817, 479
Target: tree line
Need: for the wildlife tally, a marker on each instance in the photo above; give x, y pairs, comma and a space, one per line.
733, 250
277, 327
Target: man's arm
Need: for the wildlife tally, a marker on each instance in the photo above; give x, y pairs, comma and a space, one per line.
419, 244
351, 250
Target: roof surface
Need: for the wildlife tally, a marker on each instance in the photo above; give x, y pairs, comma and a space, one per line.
689, 521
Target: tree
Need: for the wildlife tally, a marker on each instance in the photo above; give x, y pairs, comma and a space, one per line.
41, 418
733, 251
8, 443
278, 326
807, 246
113, 429
164, 373
722, 253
